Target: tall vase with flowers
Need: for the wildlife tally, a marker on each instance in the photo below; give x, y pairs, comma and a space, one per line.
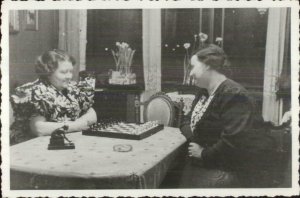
199, 43
123, 57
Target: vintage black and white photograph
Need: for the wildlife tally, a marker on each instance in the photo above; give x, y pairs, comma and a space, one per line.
185, 98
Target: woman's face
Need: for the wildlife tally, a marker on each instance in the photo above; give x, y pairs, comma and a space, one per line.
61, 77
197, 71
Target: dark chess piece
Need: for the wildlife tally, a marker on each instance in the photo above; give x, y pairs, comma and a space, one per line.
57, 140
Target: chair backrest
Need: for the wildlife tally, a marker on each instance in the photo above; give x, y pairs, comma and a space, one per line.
161, 108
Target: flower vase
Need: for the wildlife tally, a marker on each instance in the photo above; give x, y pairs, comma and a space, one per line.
122, 78
132, 78
114, 78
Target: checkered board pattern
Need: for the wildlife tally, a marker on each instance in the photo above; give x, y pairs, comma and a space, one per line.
124, 130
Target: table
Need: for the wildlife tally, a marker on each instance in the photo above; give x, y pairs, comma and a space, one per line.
93, 164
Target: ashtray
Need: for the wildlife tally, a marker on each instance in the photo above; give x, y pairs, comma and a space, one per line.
122, 148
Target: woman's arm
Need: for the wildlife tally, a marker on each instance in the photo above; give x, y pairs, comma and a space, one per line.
40, 127
237, 120
82, 123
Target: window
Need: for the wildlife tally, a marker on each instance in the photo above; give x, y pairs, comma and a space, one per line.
178, 27
244, 37
245, 32
104, 29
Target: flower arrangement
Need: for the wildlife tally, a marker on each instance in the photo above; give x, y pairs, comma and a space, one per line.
123, 59
199, 42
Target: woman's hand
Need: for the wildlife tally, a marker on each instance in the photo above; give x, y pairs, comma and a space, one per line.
195, 150
83, 123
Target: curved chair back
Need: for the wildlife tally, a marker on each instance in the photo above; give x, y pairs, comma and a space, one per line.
161, 108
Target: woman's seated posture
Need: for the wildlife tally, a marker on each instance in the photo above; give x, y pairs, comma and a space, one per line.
52, 101
228, 147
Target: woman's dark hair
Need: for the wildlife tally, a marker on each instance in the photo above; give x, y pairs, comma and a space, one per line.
215, 57
47, 63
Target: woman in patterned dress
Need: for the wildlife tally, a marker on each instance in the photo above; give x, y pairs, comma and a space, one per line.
51, 101
228, 147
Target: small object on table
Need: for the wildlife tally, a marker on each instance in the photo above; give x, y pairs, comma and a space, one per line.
122, 148
57, 140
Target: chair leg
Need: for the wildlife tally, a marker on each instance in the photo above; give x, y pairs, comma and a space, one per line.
137, 108
180, 112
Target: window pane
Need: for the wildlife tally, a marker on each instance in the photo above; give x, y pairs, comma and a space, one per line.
178, 27
244, 40
245, 32
104, 29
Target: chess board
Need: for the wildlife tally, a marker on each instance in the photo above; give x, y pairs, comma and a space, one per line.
124, 130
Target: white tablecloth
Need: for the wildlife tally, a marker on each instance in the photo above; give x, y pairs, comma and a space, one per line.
94, 158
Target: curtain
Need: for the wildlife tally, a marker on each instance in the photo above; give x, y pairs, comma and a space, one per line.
72, 36
151, 53
274, 58
284, 82
152, 49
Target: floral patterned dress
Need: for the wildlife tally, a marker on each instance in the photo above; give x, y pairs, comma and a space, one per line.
42, 98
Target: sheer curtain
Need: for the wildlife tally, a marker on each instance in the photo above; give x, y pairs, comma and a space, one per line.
274, 59
151, 53
152, 50
72, 36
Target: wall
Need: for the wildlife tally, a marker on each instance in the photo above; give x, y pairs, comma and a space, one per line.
26, 45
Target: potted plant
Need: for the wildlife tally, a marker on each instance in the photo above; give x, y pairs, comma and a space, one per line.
123, 57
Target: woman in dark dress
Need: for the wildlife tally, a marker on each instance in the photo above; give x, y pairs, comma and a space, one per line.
228, 147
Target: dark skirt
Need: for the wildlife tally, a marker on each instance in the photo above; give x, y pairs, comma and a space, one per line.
197, 175
194, 175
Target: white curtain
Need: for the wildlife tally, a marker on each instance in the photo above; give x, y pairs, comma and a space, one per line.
152, 49
72, 36
151, 53
272, 107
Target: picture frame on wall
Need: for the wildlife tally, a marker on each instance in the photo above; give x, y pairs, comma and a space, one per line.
31, 20
14, 24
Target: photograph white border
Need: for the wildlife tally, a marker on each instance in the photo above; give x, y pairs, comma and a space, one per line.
135, 4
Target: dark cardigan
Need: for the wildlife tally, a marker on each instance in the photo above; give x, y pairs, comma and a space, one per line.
230, 131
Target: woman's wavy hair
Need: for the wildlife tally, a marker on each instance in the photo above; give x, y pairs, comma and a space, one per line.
215, 57
48, 62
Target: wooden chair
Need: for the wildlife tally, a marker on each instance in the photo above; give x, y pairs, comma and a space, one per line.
160, 107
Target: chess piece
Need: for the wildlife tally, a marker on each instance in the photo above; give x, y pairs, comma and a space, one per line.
57, 140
